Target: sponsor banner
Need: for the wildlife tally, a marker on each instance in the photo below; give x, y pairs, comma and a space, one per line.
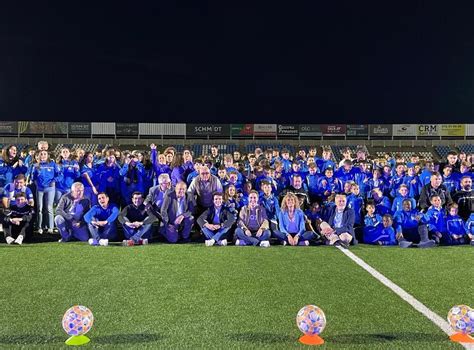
30, 128
470, 130
55, 128
357, 130
78, 128
310, 130
380, 130
333, 129
126, 129
242, 130
404, 130
452, 129
287, 130
208, 129
264, 129
8, 127
428, 130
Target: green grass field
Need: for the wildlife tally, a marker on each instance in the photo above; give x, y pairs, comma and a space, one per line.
191, 296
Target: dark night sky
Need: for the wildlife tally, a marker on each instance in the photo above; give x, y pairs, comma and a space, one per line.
346, 63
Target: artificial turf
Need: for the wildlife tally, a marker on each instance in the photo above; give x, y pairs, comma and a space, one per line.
192, 296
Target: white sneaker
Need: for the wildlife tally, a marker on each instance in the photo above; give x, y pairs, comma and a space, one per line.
209, 242
40, 231
237, 242
19, 240
285, 243
50, 231
104, 242
10, 240
145, 241
224, 242
265, 244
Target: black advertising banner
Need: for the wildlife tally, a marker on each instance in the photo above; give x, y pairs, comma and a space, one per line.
242, 130
126, 129
8, 127
380, 130
291, 130
78, 128
55, 128
333, 129
208, 129
310, 130
357, 130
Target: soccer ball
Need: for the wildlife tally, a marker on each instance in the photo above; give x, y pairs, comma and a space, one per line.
461, 319
78, 320
311, 320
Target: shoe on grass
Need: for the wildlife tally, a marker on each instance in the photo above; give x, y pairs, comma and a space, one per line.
40, 231
340, 243
405, 244
222, 243
209, 242
19, 240
265, 244
427, 244
104, 242
93, 242
10, 240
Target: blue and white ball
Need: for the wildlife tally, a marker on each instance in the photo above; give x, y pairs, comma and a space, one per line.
311, 320
461, 319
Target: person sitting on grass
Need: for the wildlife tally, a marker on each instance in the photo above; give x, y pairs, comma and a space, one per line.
292, 223
455, 225
253, 227
410, 228
372, 223
17, 220
470, 228
70, 212
385, 232
216, 221
339, 230
435, 219
101, 221
177, 214
156, 194
136, 221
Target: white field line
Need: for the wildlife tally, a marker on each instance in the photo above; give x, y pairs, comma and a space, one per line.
417, 305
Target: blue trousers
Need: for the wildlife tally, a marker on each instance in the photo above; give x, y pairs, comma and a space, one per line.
373, 235
172, 232
253, 239
306, 236
144, 232
69, 232
45, 198
215, 235
108, 231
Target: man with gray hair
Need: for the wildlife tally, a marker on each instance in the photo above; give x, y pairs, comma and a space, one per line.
202, 187
156, 195
70, 214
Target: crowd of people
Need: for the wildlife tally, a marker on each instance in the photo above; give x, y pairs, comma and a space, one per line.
257, 199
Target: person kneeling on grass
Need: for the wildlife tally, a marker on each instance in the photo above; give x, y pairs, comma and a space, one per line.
70, 212
435, 219
410, 228
101, 221
17, 221
136, 221
177, 214
292, 223
253, 226
384, 233
339, 230
216, 221
455, 225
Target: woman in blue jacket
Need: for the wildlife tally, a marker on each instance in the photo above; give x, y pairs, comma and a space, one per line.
109, 177
89, 177
291, 219
45, 175
69, 173
132, 174
10, 165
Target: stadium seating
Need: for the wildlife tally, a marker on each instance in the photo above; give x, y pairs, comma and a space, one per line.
443, 150
466, 148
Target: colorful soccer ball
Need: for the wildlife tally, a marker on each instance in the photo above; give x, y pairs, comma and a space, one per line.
311, 320
78, 320
461, 319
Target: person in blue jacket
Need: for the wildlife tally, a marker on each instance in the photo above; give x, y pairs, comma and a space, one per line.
89, 177
10, 165
410, 227
159, 163
109, 177
101, 220
46, 174
435, 219
372, 223
292, 225
413, 182
270, 202
68, 173
375, 181
450, 179
384, 234
470, 228
382, 203
402, 194
455, 225
132, 178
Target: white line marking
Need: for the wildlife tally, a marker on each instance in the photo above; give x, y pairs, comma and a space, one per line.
417, 305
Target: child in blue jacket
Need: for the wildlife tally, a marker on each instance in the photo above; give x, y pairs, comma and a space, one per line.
455, 225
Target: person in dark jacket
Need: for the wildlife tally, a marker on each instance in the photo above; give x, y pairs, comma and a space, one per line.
216, 221
17, 220
464, 198
70, 212
136, 221
434, 187
177, 214
339, 230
